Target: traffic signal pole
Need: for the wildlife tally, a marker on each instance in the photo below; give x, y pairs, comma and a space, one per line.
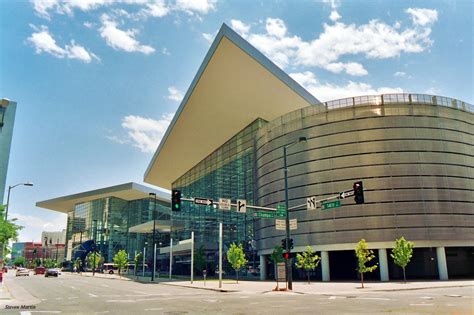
289, 276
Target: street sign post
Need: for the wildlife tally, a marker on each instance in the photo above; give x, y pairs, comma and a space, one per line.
293, 224
264, 215
281, 211
331, 204
280, 224
311, 203
203, 201
224, 204
241, 206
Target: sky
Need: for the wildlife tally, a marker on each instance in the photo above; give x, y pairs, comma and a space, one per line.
98, 81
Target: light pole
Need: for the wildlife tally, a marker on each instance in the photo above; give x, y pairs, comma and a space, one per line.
289, 266
154, 246
8, 196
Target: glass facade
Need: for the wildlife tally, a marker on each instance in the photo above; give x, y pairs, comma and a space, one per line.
107, 221
7, 119
228, 172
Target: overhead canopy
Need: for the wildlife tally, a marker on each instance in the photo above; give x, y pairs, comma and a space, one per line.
163, 226
235, 85
128, 191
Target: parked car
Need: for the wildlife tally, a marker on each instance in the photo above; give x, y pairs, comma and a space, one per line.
22, 272
52, 272
40, 270
5, 269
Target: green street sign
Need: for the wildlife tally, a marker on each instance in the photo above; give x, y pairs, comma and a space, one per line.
264, 215
331, 204
281, 211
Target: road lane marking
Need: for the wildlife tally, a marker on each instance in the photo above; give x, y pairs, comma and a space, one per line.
423, 304
104, 312
120, 301
74, 288
154, 309
336, 297
72, 297
93, 295
373, 298
104, 285
426, 297
210, 301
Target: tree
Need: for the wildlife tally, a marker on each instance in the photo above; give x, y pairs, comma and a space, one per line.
364, 255
49, 263
93, 259
200, 259
121, 261
236, 258
307, 261
138, 258
277, 257
8, 230
78, 264
20, 261
402, 253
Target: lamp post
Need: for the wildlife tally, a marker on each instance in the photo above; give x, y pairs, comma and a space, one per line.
154, 245
95, 245
289, 266
8, 196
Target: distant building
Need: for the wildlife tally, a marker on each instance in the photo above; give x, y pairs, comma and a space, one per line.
7, 119
27, 250
54, 244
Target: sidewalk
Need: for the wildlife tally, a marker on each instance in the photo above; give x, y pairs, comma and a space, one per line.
320, 288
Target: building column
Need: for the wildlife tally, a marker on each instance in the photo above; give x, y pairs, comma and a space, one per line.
442, 265
325, 266
263, 267
383, 264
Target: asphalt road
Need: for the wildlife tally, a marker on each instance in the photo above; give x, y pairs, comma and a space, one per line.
73, 294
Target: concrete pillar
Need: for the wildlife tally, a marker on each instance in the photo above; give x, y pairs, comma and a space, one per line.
263, 267
325, 265
442, 265
383, 264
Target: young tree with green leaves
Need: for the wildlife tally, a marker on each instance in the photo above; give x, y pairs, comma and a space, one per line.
200, 260
307, 261
20, 261
49, 263
8, 231
121, 261
277, 257
138, 258
236, 258
93, 259
402, 253
364, 256
78, 264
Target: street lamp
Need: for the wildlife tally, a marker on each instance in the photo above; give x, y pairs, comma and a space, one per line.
154, 245
8, 196
289, 267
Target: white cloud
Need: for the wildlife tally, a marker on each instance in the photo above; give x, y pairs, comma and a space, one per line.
144, 133
43, 6
165, 52
195, 6
327, 92
34, 225
275, 27
373, 40
422, 17
43, 41
334, 16
175, 94
88, 24
157, 9
120, 39
400, 74
240, 27
208, 37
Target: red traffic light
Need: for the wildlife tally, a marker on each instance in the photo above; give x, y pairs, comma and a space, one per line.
286, 256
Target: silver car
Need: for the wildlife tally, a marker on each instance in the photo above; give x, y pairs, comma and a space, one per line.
22, 272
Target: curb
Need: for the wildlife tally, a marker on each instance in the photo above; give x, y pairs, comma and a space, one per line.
199, 288
437, 287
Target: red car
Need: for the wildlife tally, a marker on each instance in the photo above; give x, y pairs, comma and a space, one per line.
40, 270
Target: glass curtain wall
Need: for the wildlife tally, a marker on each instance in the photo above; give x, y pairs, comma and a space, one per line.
228, 172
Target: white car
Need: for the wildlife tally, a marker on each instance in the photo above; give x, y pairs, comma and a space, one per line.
22, 272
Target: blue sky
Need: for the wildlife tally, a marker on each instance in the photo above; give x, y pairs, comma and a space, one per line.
97, 81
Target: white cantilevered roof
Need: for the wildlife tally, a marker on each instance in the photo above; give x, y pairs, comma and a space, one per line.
235, 85
128, 191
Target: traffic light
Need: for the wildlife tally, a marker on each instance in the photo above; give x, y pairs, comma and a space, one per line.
176, 200
286, 256
290, 245
358, 192
283, 244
